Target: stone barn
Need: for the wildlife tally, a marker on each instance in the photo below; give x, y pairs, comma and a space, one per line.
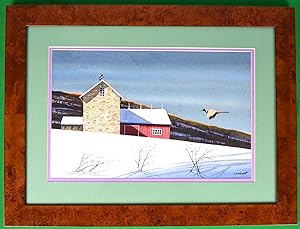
101, 108
102, 113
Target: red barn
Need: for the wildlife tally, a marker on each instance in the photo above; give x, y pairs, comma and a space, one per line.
153, 123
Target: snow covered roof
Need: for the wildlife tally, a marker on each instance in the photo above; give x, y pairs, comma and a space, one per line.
102, 80
130, 116
145, 116
72, 120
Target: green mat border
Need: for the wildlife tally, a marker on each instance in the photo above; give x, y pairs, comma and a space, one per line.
38, 190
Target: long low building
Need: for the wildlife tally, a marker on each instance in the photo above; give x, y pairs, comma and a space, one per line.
72, 123
153, 123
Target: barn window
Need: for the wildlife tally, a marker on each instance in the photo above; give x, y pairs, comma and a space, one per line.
156, 131
101, 91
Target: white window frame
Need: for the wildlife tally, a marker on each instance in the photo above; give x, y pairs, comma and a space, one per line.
157, 131
101, 91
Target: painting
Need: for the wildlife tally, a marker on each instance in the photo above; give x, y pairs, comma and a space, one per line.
151, 114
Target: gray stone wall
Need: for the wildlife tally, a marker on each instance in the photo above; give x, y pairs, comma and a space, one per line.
72, 127
101, 113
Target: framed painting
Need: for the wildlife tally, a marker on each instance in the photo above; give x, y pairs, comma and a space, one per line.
183, 108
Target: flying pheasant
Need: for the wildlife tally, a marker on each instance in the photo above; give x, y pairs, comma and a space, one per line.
211, 113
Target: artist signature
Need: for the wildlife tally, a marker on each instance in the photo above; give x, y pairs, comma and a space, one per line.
241, 173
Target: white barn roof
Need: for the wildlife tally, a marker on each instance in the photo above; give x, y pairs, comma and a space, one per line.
130, 116
145, 116
72, 120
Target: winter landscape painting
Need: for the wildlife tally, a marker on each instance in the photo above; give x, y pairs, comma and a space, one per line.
151, 114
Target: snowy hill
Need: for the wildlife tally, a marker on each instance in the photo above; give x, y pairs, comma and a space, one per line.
181, 129
77, 154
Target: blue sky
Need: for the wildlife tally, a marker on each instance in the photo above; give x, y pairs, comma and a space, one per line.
184, 82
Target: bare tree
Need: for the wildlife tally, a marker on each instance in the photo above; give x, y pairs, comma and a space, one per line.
143, 159
197, 160
88, 165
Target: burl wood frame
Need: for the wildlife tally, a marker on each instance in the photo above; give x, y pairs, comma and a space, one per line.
17, 212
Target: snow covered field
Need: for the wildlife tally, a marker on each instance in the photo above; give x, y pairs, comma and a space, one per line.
77, 154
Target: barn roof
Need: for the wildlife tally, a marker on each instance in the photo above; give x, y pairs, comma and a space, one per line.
145, 116
102, 80
130, 116
72, 120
